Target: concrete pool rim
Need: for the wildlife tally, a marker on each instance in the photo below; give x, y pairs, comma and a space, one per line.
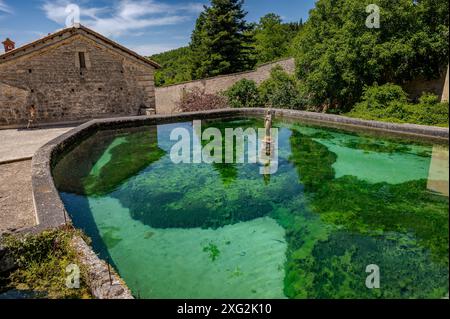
50, 210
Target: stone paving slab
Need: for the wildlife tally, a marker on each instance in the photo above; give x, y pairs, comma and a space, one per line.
17, 147
16, 199
20, 144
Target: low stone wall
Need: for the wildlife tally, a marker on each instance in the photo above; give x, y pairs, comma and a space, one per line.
98, 271
167, 97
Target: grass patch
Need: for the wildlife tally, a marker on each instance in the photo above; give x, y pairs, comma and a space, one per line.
41, 265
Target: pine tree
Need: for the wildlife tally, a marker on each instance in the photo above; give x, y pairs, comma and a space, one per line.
221, 42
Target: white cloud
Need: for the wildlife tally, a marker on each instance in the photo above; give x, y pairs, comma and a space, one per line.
150, 49
4, 7
125, 16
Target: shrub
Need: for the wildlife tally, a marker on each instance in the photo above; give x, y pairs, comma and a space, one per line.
429, 111
281, 90
378, 97
243, 93
389, 103
197, 100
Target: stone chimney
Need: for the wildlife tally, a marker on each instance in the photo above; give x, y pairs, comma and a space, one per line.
9, 45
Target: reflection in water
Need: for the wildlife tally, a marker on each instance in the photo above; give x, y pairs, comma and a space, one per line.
338, 203
438, 173
107, 159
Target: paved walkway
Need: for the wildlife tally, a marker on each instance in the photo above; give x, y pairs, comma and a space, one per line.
16, 201
22, 144
17, 147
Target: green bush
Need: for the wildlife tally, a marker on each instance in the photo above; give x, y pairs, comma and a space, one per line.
281, 90
41, 264
430, 111
377, 97
390, 103
243, 93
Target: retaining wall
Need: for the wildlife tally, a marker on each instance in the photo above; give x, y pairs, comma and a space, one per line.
167, 97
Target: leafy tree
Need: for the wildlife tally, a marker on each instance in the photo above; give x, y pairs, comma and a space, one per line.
221, 42
225, 43
272, 38
281, 90
243, 93
337, 55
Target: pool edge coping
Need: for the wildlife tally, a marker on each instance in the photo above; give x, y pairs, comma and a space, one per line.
51, 213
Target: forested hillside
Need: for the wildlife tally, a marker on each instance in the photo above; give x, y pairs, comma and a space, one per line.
175, 66
233, 45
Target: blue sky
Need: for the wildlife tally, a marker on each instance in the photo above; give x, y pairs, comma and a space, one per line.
146, 26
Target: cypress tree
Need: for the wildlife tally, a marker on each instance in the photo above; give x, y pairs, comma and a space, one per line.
221, 42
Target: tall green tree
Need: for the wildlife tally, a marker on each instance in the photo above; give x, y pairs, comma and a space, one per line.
221, 42
338, 55
271, 38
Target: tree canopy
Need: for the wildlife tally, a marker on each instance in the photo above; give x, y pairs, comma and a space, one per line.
221, 42
337, 55
273, 38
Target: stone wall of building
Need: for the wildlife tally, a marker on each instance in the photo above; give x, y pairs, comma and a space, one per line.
167, 97
52, 80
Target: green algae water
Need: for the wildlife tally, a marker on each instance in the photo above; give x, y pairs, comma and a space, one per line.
339, 202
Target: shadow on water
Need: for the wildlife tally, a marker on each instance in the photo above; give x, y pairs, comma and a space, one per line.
98, 166
82, 217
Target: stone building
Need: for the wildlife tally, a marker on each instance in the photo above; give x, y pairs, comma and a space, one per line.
73, 75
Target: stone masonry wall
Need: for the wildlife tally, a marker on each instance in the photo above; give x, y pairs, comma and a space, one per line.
51, 79
438, 86
167, 97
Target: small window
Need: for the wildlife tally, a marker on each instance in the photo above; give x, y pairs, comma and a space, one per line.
82, 58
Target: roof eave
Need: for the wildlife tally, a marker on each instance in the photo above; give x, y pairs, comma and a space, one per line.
73, 29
